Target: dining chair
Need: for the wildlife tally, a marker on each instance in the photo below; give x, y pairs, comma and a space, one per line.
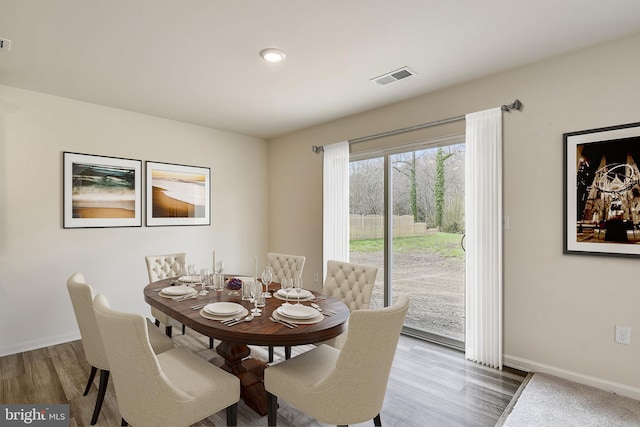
284, 265
174, 388
352, 284
161, 267
82, 297
341, 387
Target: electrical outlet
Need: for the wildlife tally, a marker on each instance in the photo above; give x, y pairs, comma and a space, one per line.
623, 334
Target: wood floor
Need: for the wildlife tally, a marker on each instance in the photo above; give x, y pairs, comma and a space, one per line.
429, 385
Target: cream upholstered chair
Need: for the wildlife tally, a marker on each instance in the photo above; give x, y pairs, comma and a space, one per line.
82, 300
174, 388
160, 267
341, 386
285, 265
351, 283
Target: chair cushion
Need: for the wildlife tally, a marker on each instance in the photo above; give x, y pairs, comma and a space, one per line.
291, 380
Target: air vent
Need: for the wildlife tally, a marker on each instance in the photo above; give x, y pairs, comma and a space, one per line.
393, 76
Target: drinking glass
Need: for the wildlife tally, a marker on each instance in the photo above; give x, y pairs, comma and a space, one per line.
297, 284
192, 270
286, 284
205, 275
219, 268
256, 293
267, 278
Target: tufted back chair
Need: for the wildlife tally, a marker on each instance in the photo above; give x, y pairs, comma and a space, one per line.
160, 267
352, 283
285, 265
342, 386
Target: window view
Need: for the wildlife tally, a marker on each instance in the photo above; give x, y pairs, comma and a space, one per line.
426, 200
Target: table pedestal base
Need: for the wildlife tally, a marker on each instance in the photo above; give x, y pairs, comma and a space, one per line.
249, 371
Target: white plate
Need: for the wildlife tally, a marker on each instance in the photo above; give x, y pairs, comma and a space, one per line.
189, 279
296, 311
177, 290
223, 308
304, 294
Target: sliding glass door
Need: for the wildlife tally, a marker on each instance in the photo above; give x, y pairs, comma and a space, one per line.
415, 198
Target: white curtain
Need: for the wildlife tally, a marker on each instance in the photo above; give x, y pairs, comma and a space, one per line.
335, 206
483, 180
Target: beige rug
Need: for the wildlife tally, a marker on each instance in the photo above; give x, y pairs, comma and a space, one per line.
548, 401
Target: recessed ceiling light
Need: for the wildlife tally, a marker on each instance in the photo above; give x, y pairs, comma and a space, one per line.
272, 55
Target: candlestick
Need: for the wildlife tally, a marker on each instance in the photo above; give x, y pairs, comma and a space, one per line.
214, 261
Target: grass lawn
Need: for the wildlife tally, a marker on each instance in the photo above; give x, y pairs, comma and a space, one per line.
443, 244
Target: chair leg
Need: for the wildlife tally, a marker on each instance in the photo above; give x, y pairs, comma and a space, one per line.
157, 322
232, 415
92, 375
102, 389
270, 353
124, 423
377, 422
287, 352
184, 329
210, 342
167, 330
272, 409
343, 425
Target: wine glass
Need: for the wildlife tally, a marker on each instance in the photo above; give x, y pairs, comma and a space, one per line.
297, 284
286, 284
256, 293
267, 278
219, 268
205, 273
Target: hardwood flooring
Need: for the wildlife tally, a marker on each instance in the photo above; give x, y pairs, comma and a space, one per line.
429, 385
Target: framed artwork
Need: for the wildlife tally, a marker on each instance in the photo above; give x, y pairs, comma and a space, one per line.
101, 191
602, 191
177, 194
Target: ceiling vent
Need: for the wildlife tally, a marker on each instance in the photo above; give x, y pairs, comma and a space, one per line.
393, 76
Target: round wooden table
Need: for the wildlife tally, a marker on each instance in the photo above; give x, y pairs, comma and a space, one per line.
260, 331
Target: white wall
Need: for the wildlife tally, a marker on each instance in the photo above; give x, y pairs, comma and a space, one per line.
37, 255
560, 310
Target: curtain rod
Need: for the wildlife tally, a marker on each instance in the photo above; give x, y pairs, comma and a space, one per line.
516, 105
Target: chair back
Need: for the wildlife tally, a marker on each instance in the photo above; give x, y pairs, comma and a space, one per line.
162, 266
140, 385
358, 383
82, 300
285, 265
351, 283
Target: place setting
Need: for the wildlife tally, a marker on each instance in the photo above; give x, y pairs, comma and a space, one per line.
178, 293
297, 314
223, 311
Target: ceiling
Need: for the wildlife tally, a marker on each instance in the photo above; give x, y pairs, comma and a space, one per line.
197, 60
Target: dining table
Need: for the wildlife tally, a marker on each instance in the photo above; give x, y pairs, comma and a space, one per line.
259, 331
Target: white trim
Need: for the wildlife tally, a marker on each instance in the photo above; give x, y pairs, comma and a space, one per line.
37, 344
532, 366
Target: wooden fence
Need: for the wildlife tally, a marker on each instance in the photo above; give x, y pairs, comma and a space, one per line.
372, 227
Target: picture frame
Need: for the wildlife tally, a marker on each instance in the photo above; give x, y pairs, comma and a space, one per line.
101, 191
602, 191
177, 194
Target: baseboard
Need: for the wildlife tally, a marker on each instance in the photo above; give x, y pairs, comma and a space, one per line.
532, 366
36, 344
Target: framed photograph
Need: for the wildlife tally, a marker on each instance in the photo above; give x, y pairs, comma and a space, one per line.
101, 191
602, 191
178, 194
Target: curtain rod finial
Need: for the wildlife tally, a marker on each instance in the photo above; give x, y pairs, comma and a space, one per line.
517, 105
317, 148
